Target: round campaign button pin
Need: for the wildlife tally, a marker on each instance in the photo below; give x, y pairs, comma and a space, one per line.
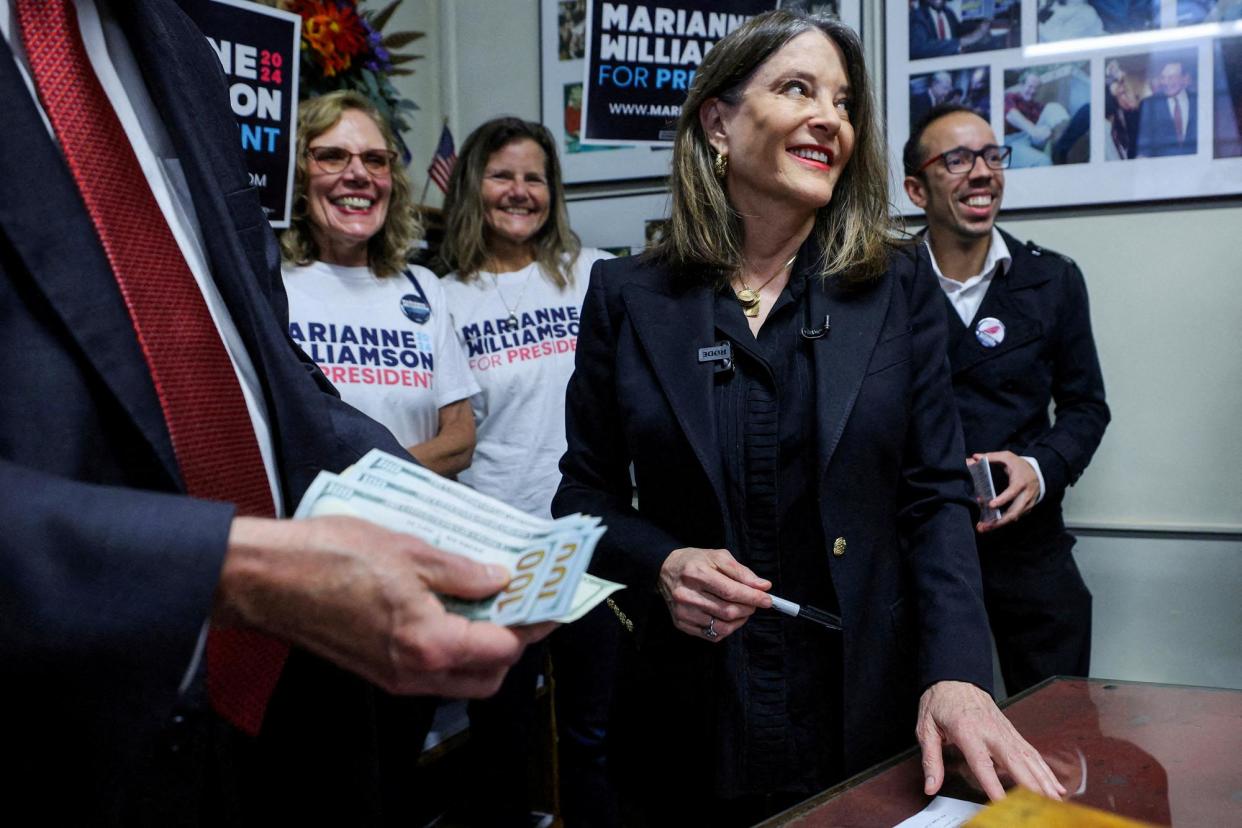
990, 332
416, 308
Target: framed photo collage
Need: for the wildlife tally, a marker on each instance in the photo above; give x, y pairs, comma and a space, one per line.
1101, 101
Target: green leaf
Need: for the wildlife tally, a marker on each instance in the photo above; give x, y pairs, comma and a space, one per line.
397, 60
373, 89
380, 18
399, 39
401, 72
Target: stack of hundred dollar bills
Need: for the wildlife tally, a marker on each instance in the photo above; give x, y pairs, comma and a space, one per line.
547, 558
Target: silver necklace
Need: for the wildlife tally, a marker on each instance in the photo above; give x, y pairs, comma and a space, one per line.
513, 317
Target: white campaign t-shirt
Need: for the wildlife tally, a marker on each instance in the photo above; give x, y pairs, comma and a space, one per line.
387, 346
523, 370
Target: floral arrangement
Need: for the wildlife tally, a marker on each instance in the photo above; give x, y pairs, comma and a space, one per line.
344, 47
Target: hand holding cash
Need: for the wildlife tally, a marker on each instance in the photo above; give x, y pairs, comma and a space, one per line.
547, 559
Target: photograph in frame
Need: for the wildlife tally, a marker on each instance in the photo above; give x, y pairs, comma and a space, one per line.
945, 28
1227, 99
970, 86
1072, 19
1168, 102
1047, 114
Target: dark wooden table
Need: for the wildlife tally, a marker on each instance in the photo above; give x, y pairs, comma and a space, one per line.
1164, 754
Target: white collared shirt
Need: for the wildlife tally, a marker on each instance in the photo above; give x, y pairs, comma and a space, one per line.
967, 296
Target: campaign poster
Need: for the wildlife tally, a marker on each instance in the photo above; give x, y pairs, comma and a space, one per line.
640, 59
258, 49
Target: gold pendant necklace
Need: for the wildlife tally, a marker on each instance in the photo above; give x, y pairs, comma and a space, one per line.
750, 299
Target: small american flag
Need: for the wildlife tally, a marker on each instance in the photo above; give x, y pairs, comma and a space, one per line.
444, 159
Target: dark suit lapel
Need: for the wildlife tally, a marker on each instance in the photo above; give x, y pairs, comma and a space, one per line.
671, 329
44, 219
245, 267
1191, 135
207, 146
841, 357
1002, 303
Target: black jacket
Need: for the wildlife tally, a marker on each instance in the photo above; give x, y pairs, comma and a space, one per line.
893, 488
1047, 357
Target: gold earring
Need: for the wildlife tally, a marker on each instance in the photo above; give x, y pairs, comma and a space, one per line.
720, 165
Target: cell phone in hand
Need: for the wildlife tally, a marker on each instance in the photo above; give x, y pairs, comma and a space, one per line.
985, 490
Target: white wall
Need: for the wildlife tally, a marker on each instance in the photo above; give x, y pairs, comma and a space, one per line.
1166, 306
1166, 608
423, 87
481, 60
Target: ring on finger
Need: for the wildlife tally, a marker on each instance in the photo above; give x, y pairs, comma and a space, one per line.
710, 629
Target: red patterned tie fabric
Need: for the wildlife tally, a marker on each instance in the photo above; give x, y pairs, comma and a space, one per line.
206, 415
941, 34
1179, 128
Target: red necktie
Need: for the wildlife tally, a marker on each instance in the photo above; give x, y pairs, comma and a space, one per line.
940, 32
204, 410
1178, 127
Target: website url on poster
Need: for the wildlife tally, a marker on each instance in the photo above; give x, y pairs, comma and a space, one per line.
656, 110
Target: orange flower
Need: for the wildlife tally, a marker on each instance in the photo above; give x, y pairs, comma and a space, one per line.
333, 30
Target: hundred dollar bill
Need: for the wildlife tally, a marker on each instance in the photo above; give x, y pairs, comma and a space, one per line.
409, 480
436, 489
528, 562
552, 559
590, 593
570, 558
547, 558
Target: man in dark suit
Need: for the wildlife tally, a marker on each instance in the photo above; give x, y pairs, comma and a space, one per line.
939, 85
1020, 339
935, 31
138, 579
1168, 120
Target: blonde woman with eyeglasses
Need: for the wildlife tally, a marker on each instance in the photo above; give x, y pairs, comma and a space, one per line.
377, 326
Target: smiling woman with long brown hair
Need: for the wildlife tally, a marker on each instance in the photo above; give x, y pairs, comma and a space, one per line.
515, 291
773, 377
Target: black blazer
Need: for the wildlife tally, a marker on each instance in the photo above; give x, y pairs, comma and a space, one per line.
1047, 356
894, 496
924, 39
1156, 135
107, 571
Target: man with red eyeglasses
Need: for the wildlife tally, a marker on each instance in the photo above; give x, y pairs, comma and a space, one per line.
1020, 340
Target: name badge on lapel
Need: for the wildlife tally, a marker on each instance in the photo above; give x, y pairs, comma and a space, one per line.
990, 332
721, 353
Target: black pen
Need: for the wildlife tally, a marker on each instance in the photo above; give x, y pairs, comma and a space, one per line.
817, 616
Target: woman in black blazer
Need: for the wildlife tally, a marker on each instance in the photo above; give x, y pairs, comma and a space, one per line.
774, 373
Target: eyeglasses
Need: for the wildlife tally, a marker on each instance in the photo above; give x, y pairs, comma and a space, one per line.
336, 159
962, 159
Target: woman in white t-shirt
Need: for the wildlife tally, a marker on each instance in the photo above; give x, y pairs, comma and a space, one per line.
519, 277
377, 327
